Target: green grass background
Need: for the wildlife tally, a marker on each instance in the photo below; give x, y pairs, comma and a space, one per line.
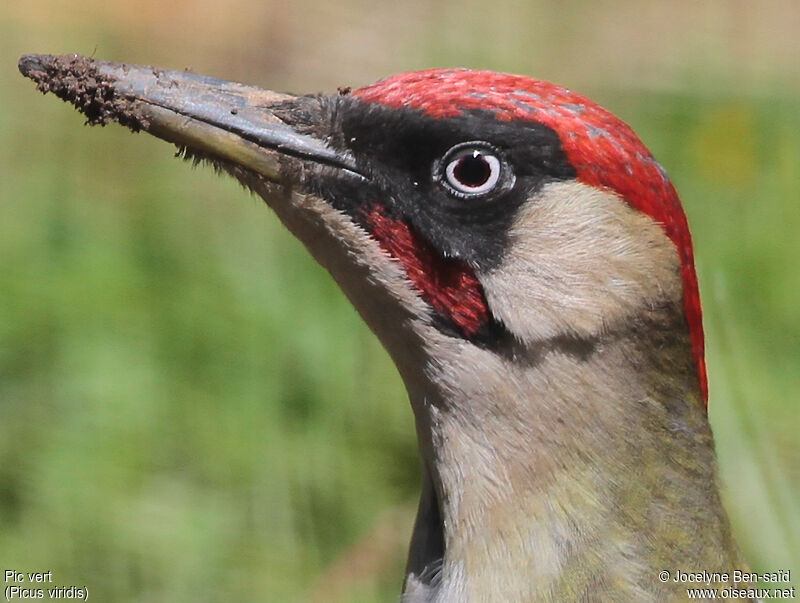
191, 411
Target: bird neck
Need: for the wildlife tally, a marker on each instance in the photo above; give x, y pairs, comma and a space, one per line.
576, 467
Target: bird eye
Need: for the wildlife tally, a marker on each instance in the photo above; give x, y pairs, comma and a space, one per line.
471, 169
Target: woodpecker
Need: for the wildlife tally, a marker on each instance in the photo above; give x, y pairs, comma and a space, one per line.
528, 266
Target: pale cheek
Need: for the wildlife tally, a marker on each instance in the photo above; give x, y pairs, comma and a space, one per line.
580, 261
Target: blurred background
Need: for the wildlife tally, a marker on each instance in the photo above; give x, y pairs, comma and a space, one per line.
189, 408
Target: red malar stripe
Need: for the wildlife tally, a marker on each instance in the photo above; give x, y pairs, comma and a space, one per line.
448, 285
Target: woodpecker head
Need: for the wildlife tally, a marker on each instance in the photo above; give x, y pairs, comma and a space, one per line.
527, 264
482, 206
530, 193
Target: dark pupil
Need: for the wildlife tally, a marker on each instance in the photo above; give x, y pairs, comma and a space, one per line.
472, 171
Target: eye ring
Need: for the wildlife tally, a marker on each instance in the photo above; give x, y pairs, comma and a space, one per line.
473, 169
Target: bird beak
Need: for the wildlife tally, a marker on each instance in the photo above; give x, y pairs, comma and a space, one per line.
224, 120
